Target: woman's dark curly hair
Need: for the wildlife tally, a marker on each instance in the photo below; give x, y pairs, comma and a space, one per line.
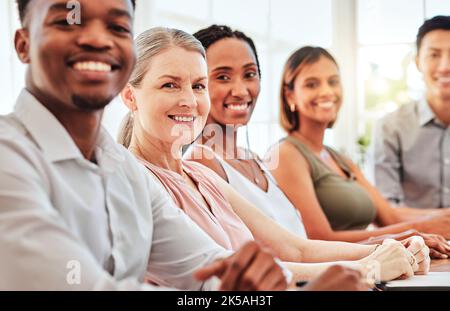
214, 33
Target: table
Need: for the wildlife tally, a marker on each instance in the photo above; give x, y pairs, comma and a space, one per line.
440, 265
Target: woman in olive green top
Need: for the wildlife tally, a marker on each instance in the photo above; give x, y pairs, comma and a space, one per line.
346, 204
331, 193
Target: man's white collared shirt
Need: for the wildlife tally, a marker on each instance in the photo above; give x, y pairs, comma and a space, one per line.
67, 223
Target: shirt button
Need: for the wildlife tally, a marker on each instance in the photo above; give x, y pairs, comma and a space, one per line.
446, 161
446, 190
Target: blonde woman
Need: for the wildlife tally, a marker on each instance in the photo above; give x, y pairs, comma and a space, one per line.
168, 100
331, 193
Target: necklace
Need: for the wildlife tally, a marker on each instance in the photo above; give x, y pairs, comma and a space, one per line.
252, 171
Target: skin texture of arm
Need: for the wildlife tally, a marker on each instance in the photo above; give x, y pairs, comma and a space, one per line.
390, 261
296, 249
293, 248
316, 251
438, 246
386, 214
292, 174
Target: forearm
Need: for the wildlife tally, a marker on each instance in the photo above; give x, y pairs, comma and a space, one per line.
317, 251
284, 244
322, 251
308, 271
407, 213
362, 235
395, 236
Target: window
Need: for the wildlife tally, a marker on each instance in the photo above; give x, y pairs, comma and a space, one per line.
12, 71
373, 41
385, 21
278, 27
386, 51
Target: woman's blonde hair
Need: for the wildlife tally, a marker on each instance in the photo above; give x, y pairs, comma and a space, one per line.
149, 44
290, 120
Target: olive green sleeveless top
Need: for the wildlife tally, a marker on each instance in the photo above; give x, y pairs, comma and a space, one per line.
346, 204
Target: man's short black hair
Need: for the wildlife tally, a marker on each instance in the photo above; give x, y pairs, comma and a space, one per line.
23, 4
435, 23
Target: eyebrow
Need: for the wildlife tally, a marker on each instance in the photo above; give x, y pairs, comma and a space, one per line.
61, 6
201, 78
179, 79
310, 79
119, 13
169, 77
222, 68
115, 12
250, 65
227, 68
316, 78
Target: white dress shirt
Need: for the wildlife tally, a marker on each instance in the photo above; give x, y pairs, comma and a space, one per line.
61, 214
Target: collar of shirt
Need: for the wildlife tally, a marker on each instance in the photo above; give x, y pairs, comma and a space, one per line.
54, 140
426, 114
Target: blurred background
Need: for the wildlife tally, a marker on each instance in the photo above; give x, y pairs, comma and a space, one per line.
373, 41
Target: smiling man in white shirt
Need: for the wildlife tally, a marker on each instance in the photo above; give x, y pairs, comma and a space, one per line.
76, 209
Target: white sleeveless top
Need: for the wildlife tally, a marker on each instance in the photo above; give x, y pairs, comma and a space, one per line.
272, 203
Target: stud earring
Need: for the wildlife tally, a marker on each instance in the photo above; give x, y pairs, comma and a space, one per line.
292, 107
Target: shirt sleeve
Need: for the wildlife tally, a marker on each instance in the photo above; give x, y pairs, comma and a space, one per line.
387, 162
37, 250
179, 246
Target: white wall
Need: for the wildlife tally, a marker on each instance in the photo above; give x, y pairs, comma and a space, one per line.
278, 27
11, 70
